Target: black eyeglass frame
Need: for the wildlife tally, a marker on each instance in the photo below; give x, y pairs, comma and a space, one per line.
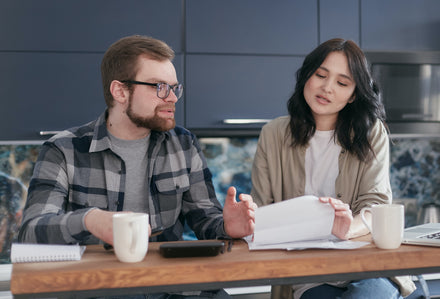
158, 88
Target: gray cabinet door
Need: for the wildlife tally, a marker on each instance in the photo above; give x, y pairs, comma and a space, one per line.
400, 25
251, 27
221, 87
48, 92
339, 18
84, 25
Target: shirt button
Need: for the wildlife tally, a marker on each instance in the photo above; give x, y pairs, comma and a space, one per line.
339, 195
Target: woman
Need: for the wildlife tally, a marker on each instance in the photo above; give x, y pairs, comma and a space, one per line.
334, 145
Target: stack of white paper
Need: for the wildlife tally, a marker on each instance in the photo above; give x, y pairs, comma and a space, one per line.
297, 223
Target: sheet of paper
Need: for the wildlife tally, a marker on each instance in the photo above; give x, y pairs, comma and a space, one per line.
296, 224
297, 219
332, 243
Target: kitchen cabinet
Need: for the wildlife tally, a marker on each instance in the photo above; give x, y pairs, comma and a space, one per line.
50, 53
400, 25
284, 27
337, 22
47, 92
236, 87
86, 26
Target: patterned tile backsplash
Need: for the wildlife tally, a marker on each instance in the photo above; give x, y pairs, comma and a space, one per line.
415, 169
415, 176
16, 166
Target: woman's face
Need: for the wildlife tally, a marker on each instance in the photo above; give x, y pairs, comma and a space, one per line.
329, 89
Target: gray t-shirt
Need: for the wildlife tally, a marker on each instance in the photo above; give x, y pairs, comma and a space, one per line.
134, 154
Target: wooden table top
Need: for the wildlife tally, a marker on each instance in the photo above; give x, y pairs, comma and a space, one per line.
100, 270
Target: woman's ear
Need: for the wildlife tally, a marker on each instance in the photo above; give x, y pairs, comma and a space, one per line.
352, 98
119, 91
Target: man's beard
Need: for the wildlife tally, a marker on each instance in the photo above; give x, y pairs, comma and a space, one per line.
155, 123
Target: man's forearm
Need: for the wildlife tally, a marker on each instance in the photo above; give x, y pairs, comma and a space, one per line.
100, 224
54, 229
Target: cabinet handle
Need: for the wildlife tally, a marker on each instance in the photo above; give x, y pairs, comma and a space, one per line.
417, 116
245, 121
45, 133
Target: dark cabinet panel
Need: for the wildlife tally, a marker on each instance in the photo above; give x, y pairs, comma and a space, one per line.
339, 18
400, 25
223, 87
47, 92
52, 92
253, 27
84, 25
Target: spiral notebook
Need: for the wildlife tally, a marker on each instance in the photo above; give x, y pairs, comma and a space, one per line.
32, 253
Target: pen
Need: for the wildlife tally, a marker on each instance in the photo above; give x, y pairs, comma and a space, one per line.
230, 243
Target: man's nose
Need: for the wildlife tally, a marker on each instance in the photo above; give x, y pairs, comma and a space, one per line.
172, 98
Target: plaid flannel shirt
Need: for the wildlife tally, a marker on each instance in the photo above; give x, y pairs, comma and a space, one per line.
77, 171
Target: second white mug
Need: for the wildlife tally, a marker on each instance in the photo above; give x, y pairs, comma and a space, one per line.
388, 221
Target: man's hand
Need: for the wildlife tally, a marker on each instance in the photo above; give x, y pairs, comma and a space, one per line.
343, 217
239, 217
100, 224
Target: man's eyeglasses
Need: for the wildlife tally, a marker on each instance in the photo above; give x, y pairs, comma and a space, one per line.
162, 89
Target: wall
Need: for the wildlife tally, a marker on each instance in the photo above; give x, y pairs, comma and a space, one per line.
414, 173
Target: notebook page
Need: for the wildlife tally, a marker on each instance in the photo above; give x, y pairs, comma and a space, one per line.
22, 253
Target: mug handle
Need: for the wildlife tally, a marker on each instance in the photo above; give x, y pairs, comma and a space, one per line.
134, 236
363, 218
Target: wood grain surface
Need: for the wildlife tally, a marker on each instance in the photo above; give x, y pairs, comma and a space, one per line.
100, 269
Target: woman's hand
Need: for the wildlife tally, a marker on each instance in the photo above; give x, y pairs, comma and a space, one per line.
343, 217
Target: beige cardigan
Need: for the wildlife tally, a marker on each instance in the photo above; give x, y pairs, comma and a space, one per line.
278, 173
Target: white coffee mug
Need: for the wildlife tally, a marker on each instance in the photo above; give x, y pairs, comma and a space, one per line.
130, 236
388, 221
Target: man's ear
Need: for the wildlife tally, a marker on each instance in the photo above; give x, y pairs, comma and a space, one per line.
119, 91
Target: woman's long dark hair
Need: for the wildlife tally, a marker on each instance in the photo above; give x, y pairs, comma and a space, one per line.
356, 119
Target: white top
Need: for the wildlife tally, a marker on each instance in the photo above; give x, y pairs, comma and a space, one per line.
322, 166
